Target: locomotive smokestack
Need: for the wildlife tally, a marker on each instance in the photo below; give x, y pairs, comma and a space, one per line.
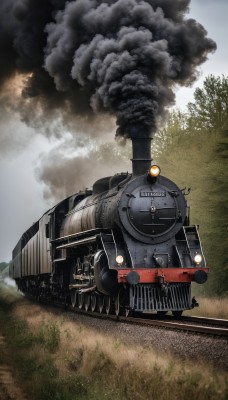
141, 149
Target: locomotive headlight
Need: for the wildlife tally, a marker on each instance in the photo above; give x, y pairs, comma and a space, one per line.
154, 171
119, 260
198, 258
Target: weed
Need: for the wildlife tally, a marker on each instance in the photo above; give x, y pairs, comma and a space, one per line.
117, 344
75, 384
75, 361
49, 336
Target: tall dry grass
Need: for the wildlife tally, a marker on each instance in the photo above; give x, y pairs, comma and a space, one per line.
63, 360
211, 308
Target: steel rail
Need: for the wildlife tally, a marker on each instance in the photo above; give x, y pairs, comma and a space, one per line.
206, 320
161, 323
191, 318
167, 322
179, 325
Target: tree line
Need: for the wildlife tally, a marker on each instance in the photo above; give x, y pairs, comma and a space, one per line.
192, 149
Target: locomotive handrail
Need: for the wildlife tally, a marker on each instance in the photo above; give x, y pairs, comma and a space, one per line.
78, 243
74, 235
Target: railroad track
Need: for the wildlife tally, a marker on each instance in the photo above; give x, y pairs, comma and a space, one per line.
209, 326
201, 325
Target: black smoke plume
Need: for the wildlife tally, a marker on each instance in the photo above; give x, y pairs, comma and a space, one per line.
86, 57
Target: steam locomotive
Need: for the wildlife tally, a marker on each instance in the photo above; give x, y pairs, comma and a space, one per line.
125, 246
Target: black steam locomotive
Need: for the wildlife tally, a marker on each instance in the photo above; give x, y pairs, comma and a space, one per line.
124, 246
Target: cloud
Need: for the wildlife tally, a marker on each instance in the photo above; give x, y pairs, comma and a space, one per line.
65, 172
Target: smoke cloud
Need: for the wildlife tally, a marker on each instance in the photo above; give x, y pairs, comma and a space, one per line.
65, 174
89, 57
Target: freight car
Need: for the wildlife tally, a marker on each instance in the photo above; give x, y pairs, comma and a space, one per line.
125, 246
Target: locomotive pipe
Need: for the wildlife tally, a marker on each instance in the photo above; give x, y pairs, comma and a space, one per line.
90, 289
78, 286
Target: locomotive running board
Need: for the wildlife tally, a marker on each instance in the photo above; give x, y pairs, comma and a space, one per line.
88, 240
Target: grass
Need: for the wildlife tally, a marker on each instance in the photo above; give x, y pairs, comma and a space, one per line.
57, 359
211, 308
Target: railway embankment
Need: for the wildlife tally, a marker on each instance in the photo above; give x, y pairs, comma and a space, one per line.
56, 356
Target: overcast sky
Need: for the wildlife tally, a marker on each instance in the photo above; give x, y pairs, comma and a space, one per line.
22, 200
213, 16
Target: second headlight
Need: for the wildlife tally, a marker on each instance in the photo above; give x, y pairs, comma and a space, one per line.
119, 260
198, 258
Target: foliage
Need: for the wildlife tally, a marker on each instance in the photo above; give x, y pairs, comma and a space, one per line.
4, 270
195, 155
209, 112
174, 129
3, 265
49, 336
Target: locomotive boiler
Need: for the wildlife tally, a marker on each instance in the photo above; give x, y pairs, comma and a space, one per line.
124, 246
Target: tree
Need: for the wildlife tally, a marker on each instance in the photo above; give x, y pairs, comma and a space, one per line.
209, 112
170, 133
209, 115
3, 265
196, 158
